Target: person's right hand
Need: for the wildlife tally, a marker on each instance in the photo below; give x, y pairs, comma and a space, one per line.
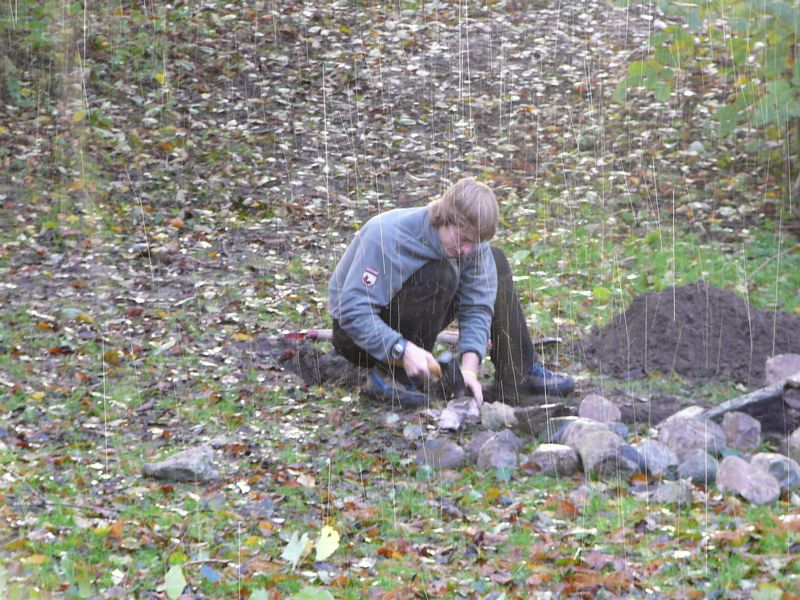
416, 361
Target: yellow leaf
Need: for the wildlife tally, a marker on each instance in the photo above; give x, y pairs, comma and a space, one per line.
327, 543
253, 540
3, 129
242, 337
37, 396
161, 77
44, 325
75, 186
492, 494
73, 219
16, 544
84, 318
36, 559
113, 357
78, 117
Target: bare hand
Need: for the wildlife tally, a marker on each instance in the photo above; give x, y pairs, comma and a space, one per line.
416, 361
474, 386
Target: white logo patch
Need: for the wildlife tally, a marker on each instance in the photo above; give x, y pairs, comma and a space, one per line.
369, 277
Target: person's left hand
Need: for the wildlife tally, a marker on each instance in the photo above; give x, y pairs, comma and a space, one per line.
473, 385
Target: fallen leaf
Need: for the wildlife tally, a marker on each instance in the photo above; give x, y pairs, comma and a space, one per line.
174, 582
296, 549
327, 543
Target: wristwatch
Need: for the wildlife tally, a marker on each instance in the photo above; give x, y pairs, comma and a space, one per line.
397, 351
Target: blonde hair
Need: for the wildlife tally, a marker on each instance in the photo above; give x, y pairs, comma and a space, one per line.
467, 203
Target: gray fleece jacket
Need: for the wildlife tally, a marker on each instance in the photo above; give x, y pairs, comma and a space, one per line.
387, 250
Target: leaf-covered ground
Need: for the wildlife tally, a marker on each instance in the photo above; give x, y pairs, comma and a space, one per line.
176, 182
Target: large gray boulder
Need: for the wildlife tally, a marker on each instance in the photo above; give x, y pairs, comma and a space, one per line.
657, 457
793, 445
698, 466
473, 447
778, 368
598, 408
580, 428
742, 431
557, 460
499, 449
783, 468
440, 454
683, 434
749, 481
192, 464
673, 492
602, 452
497, 415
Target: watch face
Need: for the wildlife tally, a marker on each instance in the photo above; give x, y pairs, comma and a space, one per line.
397, 350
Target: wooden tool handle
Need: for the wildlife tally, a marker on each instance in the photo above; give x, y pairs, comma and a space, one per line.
434, 368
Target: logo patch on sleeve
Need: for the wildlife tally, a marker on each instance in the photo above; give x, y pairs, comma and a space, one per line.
369, 277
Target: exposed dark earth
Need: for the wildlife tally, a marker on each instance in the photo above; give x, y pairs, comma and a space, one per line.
697, 331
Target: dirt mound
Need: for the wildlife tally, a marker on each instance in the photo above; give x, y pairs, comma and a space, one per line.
697, 331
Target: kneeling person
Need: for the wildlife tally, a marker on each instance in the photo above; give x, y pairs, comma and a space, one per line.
404, 278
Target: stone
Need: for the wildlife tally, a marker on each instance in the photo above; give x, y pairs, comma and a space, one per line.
793, 445
619, 428
192, 464
390, 419
579, 428
596, 407
440, 454
501, 449
600, 455
673, 492
497, 452
508, 437
553, 429
683, 434
699, 467
458, 412
473, 447
556, 460
656, 456
692, 411
752, 483
742, 431
412, 431
497, 415
781, 467
778, 368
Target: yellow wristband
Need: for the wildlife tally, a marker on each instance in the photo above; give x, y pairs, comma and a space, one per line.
468, 372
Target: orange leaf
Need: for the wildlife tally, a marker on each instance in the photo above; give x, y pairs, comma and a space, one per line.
567, 509
177, 223
135, 311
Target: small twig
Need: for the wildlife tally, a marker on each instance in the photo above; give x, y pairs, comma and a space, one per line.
201, 561
770, 259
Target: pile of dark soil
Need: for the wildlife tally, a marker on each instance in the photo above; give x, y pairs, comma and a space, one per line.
697, 331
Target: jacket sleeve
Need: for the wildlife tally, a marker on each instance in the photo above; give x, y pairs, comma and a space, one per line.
476, 295
370, 283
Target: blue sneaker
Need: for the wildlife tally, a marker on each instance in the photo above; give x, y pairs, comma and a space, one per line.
541, 381
381, 386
